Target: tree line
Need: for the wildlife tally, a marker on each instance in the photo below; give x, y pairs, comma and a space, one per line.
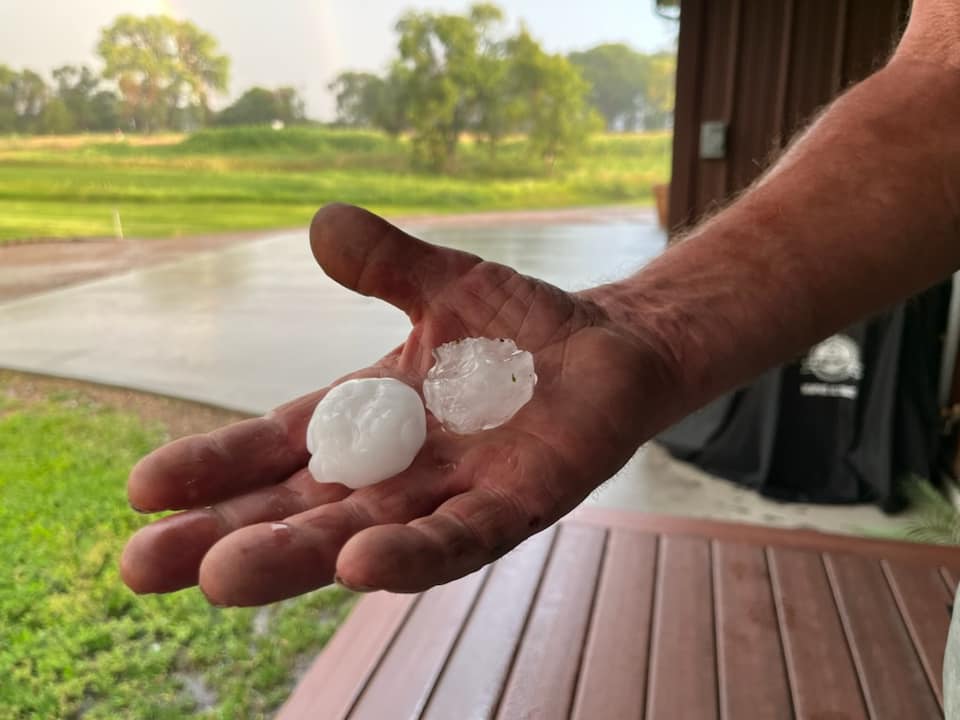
157, 74
453, 75
461, 74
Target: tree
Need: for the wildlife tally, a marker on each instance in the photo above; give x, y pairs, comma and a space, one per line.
496, 110
90, 107
629, 88
104, 111
367, 100
617, 76
557, 117
165, 69
259, 106
360, 96
659, 90
55, 118
438, 69
457, 74
8, 115
289, 106
30, 94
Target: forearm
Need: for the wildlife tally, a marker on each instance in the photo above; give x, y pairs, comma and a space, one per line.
860, 213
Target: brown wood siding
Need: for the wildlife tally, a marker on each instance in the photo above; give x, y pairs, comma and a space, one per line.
765, 68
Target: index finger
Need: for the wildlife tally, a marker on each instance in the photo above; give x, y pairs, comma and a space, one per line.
203, 469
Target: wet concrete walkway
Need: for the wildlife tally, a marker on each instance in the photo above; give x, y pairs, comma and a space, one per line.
252, 325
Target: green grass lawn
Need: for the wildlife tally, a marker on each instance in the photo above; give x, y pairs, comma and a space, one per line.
252, 178
73, 640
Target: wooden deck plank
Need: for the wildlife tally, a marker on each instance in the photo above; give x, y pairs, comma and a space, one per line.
410, 668
613, 673
750, 665
924, 604
335, 680
952, 578
891, 676
472, 680
823, 679
543, 677
800, 539
682, 672
630, 615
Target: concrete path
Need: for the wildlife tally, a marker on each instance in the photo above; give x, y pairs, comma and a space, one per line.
253, 325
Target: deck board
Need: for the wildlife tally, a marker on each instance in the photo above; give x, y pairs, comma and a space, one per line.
750, 664
350, 658
683, 633
951, 576
544, 674
410, 668
822, 675
613, 673
625, 615
925, 605
472, 681
893, 681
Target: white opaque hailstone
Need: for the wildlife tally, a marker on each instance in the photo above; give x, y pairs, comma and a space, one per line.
365, 431
478, 384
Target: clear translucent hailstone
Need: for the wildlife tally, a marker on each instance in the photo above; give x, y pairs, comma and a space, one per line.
477, 383
365, 431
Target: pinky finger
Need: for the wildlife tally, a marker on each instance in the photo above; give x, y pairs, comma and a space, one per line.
165, 555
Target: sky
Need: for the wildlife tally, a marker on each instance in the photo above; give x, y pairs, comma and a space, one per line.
306, 43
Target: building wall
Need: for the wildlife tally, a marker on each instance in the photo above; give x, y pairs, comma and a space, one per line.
764, 67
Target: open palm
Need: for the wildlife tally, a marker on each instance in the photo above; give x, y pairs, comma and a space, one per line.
257, 528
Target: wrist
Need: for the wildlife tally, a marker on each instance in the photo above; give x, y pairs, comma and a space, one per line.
655, 328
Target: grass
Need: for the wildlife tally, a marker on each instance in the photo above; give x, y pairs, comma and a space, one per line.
73, 640
249, 178
935, 519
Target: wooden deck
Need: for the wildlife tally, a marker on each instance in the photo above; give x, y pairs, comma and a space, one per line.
624, 615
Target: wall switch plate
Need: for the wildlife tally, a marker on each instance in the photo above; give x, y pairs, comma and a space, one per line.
713, 140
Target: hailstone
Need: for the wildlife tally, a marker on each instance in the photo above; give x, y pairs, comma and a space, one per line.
478, 383
365, 431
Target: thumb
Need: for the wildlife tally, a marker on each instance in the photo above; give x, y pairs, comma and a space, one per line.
365, 253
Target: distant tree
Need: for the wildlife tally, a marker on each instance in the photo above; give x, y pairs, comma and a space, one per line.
259, 106
556, 114
55, 118
254, 107
630, 89
30, 95
289, 106
617, 76
439, 67
8, 114
659, 91
90, 107
367, 100
359, 96
104, 111
458, 74
165, 69
496, 109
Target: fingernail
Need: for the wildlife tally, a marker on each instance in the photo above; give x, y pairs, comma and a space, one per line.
355, 588
136, 509
213, 602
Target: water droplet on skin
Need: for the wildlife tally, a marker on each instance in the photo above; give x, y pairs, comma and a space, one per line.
282, 535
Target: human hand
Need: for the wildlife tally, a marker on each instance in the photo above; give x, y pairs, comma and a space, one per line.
257, 528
